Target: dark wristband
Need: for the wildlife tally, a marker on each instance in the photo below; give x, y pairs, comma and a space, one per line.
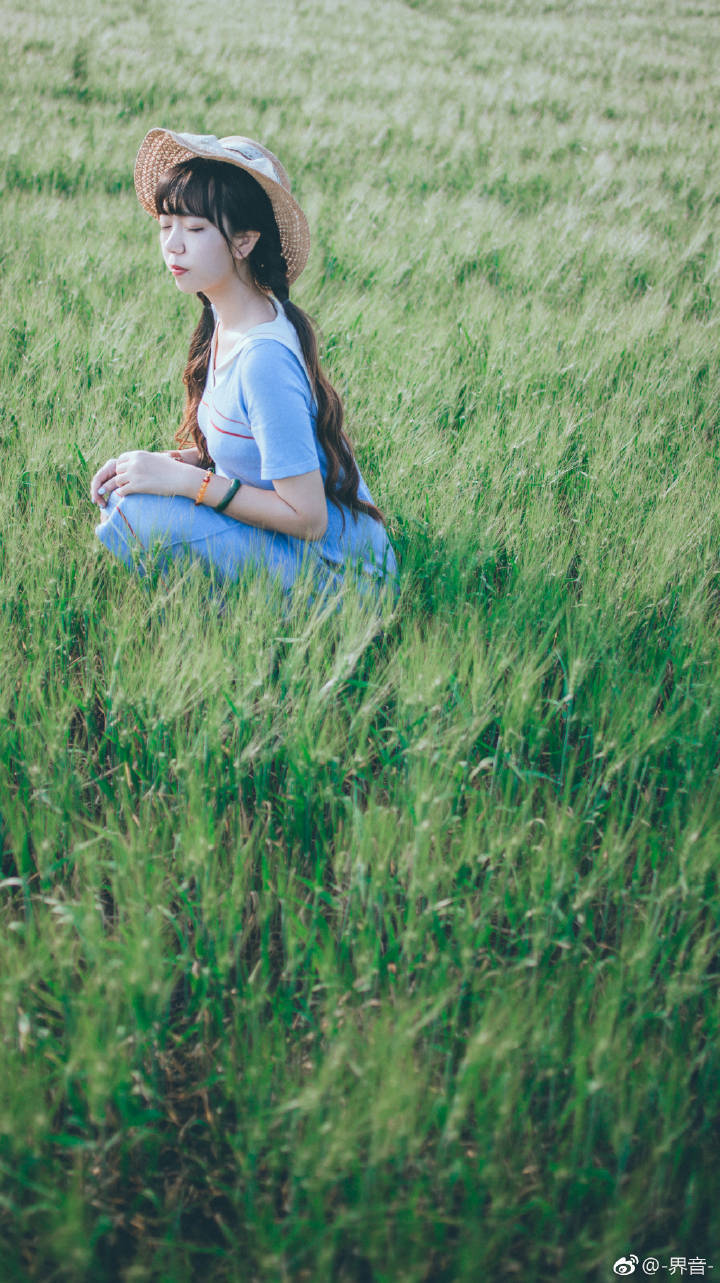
229, 494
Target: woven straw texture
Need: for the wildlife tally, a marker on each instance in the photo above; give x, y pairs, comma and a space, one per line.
161, 148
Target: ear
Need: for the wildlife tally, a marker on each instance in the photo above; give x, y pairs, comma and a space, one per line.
245, 243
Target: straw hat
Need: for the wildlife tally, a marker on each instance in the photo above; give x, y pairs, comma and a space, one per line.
162, 148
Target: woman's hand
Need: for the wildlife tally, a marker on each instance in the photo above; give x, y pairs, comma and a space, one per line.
106, 478
103, 482
146, 472
189, 455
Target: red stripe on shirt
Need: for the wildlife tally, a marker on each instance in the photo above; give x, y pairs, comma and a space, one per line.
226, 432
226, 417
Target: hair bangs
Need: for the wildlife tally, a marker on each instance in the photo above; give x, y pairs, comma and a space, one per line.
186, 190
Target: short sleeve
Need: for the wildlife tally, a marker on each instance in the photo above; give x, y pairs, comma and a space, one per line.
280, 409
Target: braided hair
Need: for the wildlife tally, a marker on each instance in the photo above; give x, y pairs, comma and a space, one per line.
230, 198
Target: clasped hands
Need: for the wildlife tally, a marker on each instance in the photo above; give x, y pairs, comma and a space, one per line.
146, 472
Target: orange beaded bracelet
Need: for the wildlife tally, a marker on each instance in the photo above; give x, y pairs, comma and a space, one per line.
203, 487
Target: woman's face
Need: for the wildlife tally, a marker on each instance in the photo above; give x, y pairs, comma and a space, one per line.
196, 253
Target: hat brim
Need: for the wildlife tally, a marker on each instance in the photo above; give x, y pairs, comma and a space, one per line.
162, 148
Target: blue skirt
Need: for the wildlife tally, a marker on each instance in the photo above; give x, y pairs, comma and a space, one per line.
173, 528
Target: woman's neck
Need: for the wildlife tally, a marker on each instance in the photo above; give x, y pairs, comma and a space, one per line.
240, 305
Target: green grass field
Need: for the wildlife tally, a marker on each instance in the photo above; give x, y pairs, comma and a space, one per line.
371, 947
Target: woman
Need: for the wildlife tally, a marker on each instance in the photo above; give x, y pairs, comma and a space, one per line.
266, 474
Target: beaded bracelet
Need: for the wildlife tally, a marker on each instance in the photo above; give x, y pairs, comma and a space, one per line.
203, 487
229, 494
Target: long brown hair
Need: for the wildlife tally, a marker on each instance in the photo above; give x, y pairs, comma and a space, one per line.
230, 199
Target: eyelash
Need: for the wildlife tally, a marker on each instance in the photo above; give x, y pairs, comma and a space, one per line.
187, 229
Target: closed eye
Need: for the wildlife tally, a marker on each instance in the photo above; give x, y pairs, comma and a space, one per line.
167, 227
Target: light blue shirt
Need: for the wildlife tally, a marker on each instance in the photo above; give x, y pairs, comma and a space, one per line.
259, 419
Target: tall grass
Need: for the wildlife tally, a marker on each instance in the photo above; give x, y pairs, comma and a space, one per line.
381, 944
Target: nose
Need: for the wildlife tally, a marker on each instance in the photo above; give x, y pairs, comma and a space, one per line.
174, 243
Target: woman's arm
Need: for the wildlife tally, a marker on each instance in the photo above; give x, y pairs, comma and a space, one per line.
295, 506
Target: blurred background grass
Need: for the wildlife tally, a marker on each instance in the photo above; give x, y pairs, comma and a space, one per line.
371, 946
